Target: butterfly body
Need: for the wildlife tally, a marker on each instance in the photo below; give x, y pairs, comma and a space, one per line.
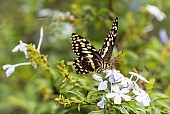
88, 58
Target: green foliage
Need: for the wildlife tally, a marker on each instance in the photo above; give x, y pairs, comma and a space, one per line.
36, 91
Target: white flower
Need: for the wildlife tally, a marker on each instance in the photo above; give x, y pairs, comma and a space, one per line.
155, 11
101, 103
11, 68
102, 84
142, 97
138, 77
21, 47
125, 82
119, 94
114, 75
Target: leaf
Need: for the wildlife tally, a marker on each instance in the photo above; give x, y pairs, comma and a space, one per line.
86, 83
98, 112
123, 110
155, 111
129, 107
77, 93
141, 109
66, 89
158, 95
164, 103
92, 96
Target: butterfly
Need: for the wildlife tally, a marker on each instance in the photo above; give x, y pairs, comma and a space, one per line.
88, 58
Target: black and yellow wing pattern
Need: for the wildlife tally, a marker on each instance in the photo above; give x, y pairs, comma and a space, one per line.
88, 58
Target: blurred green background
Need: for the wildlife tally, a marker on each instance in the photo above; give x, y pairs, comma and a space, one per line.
141, 37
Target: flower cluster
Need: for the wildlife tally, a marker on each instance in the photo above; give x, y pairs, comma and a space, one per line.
120, 88
29, 50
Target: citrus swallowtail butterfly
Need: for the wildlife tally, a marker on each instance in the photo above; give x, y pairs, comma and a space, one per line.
88, 58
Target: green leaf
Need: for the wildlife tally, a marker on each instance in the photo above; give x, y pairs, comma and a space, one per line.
93, 96
98, 112
141, 109
86, 82
155, 111
164, 103
129, 107
123, 110
77, 93
66, 89
90, 95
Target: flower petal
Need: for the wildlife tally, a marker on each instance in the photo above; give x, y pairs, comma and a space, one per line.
139, 76
142, 78
145, 103
110, 95
117, 75
6, 66
136, 92
117, 99
101, 103
21, 47
133, 73
124, 90
126, 97
96, 77
108, 73
112, 79
10, 70
16, 48
41, 38
138, 98
115, 88
143, 98
125, 82
163, 36
155, 11
102, 85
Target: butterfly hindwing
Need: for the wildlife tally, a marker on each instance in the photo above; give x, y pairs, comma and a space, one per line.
83, 65
107, 48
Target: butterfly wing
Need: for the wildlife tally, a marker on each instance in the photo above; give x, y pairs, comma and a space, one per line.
88, 57
107, 48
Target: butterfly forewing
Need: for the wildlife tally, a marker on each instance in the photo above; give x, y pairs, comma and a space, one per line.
88, 57
80, 46
107, 48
